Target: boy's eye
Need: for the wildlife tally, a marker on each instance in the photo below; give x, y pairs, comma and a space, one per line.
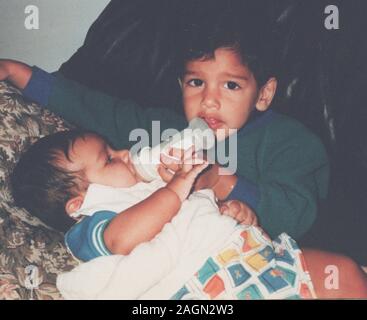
195, 82
231, 85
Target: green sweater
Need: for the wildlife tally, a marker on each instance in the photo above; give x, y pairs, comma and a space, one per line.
282, 167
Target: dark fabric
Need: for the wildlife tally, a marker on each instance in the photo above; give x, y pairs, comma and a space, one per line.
131, 50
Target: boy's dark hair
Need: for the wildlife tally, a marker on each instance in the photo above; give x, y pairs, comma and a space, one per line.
39, 183
252, 39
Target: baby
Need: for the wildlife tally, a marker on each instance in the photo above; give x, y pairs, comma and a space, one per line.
52, 179
151, 239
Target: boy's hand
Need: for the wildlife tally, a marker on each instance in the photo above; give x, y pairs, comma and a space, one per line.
16, 72
239, 211
4, 70
182, 181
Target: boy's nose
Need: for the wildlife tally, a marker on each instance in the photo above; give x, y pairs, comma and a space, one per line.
210, 99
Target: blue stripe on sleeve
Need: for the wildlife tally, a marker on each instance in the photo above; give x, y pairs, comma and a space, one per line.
85, 239
39, 86
245, 191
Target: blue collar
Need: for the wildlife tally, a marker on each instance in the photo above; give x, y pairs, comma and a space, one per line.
257, 119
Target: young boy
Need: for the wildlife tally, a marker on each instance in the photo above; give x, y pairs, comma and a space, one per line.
282, 168
152, 224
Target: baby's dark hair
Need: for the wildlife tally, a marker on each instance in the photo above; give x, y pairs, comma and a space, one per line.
253, 40
41, 185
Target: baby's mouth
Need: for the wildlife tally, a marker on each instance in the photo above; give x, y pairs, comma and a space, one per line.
131, 165
132, 169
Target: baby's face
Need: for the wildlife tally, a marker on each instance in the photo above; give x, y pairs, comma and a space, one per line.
222, 91
101, 164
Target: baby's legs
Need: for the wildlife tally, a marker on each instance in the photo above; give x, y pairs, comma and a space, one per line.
323, 266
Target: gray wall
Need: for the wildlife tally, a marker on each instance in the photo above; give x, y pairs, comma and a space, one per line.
63, 25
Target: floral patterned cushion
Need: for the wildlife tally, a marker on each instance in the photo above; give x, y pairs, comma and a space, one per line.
31, 255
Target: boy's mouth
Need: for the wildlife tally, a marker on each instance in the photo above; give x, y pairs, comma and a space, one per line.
213, 123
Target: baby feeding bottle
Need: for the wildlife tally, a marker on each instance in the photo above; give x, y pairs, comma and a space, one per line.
197, 134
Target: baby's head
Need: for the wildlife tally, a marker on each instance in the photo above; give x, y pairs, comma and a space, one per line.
52, 177
227, 73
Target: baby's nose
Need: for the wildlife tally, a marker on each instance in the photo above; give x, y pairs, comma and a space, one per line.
123, 155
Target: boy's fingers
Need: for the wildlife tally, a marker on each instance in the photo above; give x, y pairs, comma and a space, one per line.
235, 206
223, 208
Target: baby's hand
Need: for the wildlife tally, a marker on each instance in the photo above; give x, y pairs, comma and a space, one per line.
173, 162
183, 179
239, 211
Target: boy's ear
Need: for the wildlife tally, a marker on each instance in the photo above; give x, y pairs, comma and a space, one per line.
73, 205
266, 94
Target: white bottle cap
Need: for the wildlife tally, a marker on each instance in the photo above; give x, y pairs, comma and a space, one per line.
144, 165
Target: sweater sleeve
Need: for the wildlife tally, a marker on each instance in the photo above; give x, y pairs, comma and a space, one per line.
294, 179
109, 116
283, 173
245, 191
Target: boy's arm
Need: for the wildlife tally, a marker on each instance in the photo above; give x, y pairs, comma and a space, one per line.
290, 191
111, 117
222, 185
285, 198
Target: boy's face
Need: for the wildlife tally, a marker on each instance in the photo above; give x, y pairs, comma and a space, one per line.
222, 91
101, 164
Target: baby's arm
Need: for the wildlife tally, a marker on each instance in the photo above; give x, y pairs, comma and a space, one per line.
145, 220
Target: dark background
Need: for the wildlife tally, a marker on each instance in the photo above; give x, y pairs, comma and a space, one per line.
131, 51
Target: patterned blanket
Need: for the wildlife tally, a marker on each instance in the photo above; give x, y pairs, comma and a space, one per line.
31, 255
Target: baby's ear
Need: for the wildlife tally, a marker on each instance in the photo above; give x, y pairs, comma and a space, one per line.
266, 94
73, 205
